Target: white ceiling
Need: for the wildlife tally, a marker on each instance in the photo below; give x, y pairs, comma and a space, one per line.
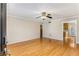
32, 10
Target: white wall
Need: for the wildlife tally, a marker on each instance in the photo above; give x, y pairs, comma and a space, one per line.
78, 31
54, 30
21, 30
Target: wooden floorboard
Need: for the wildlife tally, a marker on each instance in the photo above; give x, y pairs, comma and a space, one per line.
46, 47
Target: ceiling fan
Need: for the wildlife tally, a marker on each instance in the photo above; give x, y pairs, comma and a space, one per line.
45, 15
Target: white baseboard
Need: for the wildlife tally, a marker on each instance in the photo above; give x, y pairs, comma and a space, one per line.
77, 42
53, 38
19, 41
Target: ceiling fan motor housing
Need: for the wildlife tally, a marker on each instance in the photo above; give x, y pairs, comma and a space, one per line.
43, 13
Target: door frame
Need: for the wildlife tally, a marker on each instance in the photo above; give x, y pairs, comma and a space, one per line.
71, 21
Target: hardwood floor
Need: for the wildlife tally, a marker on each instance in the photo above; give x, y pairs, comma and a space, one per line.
46, 47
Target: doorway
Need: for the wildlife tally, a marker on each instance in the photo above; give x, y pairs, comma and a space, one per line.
70, 33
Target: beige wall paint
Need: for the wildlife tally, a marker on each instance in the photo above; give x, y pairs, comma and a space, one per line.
21, 30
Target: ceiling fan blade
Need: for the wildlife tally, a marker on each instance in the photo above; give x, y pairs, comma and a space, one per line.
49, 17
38, 17
43, 13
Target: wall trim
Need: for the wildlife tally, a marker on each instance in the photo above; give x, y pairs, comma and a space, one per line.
52, 39
21, 41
